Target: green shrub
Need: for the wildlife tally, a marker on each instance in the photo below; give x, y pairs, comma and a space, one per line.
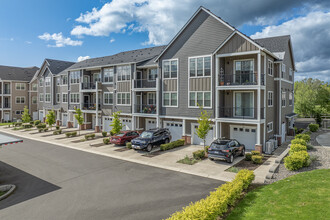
112, 133
305, 137
254, 152
31, 122
308, 132
129, 145
299, 141
71, 134
89, 136
57, 127
295, 130
313, 127
257, 159
248, 156
18, 124
104, 133
106, 140
27, 126
297, 160
42, 125
45, 129
199, 155
188, 160
296, 148
216, 204
36, 122
172, 145
40, 130
207, 149
57, 132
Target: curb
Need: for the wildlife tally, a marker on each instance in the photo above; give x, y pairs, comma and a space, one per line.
276, 164
10, 187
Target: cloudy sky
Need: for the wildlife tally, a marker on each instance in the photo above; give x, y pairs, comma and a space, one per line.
79, 29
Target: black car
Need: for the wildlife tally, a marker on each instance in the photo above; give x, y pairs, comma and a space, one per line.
226, 150
153, 137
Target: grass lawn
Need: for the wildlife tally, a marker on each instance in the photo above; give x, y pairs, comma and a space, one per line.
302, 196
3, 124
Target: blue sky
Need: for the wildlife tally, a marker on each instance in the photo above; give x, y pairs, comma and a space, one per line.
35, 29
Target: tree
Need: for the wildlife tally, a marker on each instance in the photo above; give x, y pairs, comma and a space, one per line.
50, 118
26, 116
204, 125
116, 124
79, 117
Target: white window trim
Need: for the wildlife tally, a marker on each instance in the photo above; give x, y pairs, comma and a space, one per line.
195, 57
36, 87
104, 93
74, 83
148, 98
148, 73
272, 63
234, 65
177, 74
66, 97
19, 112
49, 98
270, 123
20, 99
177, 101
113, 77
59, 95
272, 99
125, 98
291, 99
36, 99
50, 81
208, 107
130, 73
234, 95
67, 80
42, 82
77, 96
20, 86
43, 98
282, 99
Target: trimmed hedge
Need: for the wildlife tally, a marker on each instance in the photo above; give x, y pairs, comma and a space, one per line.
305, 137
27, 126
42, 129
256, 159
129, 145
296, 148
199, 155
254, 152
36, 122
57, 127
18, 124
31, 122
104, 133
297, 160
299, 141
42, 125
71, 134
57, 132
174, 144
106, 140
216, 204
89, 136
248, 156
313, 127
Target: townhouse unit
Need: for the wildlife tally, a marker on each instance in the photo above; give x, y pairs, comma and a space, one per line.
16, 92
246, 85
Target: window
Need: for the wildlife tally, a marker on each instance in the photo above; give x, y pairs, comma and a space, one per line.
47, 81
108, 75
47, 97
269, 127
244, 71
74, 98
283, 99
58, 81
41, 82
244, 104
96, 77
64, 80
34, 99
152, 74
108, 98
20, 86
290, 98
200, 66
270, 98
170, 68
19, 112
283, 70
41, 97
20, 100
123, 98
124, 73
290, 74
270, 68
200, 98
34, 87
170, 99
64, 97
58, 97
151, 98
74, 77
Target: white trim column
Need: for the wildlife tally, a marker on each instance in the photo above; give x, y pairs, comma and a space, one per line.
258, 134
216, 90
184, 127
97, 126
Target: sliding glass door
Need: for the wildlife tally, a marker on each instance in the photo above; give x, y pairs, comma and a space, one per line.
244, 104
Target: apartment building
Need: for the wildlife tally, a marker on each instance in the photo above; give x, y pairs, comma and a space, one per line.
14, 91
246, 85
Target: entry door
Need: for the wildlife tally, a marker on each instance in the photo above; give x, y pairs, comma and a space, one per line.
139, 79
86, 101
6, 102
6, 116
138, 104
86, 83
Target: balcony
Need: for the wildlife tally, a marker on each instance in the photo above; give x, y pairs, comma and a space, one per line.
145, 109
91, 106
145, 84
240, 113
6, 105
6, 91
240, 79
90, 85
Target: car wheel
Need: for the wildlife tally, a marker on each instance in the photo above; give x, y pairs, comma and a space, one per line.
167, 141
149, 147
243, 152
231, 159
211, 159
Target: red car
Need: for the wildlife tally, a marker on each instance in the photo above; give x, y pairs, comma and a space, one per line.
123, 137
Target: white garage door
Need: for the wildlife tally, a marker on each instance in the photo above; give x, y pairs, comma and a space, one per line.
175, 129
6, 116
245, 135
150, 124
107, 124
41, 116
127, 124
64, 119
198, 141
35, 116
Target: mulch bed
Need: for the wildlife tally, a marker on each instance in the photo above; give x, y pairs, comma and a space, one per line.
244, 164
78, 141
122, 149
153, 154
97, 145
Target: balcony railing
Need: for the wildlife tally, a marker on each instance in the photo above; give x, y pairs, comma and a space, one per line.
145, 109
6, 91
240, 79
90, 106
241, 113
89, 85
144, 83
6, 105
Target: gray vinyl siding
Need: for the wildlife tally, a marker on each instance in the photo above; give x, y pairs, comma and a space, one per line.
124, 86
270, 111
201, 37
170, 85
200, 84
237, 44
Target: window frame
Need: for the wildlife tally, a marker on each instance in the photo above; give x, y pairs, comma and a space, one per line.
109, 77
124, 94
170, 68
18, 112
196, 97
170, 98
47, 94
46, 80
41, 82
34, 98
19, 86
151, 93
291, 100
196, 66
240, 60
58, 81
272, 99
64, 100
151, 79
63, 82
58, 98
76, 98
36, 87
270, 67
104, 98
41, 97
120, 74
74, 77
283, 93
272, 127
21, 98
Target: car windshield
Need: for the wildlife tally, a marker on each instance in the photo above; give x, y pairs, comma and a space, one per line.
219, 145
146, 134
120, 134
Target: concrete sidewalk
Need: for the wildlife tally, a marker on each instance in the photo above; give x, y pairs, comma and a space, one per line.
166, 160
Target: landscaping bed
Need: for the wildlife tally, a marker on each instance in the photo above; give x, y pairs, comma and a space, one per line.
244, 164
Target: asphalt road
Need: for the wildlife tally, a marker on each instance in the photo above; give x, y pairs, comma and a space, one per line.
54, 182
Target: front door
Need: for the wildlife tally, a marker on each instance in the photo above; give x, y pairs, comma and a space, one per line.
6, 102
138, 104
86, 83
138, 79
86, 101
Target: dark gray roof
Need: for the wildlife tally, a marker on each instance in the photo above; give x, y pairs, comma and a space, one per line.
274, 44
132, 56
57, 66
17, 73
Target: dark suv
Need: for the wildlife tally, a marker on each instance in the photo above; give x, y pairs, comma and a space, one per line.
153, 137
226, 150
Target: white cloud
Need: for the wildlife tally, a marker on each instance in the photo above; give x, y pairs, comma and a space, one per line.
310, 38
28, 42
112, 40
82, 58
12, 39
60, 41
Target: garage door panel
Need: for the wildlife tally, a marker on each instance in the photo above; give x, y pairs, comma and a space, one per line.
244, 135
199, 141
150, 124
107, 124
175, 128
127, 124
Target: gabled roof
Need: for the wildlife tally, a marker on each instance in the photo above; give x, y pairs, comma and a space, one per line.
132, 56
57, 66
17, 73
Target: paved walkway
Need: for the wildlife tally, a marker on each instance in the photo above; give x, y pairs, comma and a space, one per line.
324, 139
166, 160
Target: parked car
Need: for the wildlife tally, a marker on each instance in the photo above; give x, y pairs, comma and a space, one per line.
123, 137
153, 137
226, 150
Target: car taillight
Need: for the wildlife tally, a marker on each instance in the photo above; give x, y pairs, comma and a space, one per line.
225, 150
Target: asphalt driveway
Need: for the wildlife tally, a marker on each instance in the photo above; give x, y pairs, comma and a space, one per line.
60, 183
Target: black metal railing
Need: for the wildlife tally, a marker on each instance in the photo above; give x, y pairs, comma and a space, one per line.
91, 106
146, 109
240, 79
6, 91
239, 112
89, 85
6, 105
144, 83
